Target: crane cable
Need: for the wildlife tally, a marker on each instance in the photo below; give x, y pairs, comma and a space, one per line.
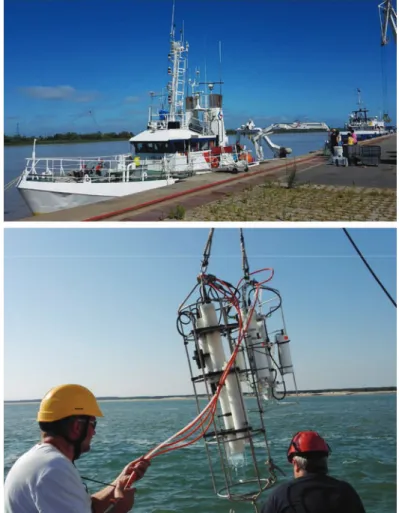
384, 82
207, 251
369, 268
245, 264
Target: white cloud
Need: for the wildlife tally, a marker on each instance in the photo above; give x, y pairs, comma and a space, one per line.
85, 97
49, 93
62, 92
132, 99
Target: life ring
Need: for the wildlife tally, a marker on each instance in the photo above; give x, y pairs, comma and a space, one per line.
87, 178
246, 156
214, 162
207, 156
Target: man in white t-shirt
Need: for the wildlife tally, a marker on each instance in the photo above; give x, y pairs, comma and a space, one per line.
45, 479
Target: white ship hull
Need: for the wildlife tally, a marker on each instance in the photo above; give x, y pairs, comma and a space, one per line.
301, 126
43, 198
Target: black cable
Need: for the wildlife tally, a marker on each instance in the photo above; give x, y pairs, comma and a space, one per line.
369, 268
180, 322
245, 264
282, 378
95, 481
207, 251
277, 293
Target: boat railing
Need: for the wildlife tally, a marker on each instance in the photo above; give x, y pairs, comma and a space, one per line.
114, 168
161, 120
127, 167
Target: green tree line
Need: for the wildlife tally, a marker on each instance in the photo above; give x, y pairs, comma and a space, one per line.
68, 137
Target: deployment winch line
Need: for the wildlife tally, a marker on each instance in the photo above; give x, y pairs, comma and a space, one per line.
369, 268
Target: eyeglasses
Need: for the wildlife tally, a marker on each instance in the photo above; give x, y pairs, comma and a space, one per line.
93, 423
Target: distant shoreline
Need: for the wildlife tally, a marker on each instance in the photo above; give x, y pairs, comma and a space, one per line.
28, 141
80, 141
304, 393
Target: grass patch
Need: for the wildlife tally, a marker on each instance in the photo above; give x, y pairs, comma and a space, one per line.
291, 179
178, 213
272, 201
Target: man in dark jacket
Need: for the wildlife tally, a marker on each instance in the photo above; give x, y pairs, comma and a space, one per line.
312, 490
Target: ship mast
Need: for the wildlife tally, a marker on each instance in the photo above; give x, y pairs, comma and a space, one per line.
177, 72
359, 99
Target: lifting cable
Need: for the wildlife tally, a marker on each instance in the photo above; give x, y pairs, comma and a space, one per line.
207, 251
369, 268
245, 265
384, 82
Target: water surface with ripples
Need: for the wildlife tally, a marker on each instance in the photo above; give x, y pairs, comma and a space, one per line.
361, 430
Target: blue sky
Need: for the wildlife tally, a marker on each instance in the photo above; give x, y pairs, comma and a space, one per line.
281, 60
98, 306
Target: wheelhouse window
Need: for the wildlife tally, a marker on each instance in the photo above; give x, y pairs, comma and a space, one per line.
180, 146
195, 145
208, 144
176, 146
153, 147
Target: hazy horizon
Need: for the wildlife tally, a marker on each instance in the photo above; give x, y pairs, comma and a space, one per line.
98, 306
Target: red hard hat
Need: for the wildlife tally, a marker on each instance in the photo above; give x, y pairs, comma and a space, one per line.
307, 443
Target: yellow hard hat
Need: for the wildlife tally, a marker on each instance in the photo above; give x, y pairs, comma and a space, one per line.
67, 400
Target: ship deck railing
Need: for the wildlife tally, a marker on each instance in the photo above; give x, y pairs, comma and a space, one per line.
117, 168
161, 122
122, 168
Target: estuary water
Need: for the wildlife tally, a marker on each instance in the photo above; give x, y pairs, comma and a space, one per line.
361, 430
14, 159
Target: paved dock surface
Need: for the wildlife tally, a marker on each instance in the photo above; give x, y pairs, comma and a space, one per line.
381, 176
204, 189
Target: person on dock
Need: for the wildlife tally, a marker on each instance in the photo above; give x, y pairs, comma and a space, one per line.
354, 136
350, 141
45, 478
333, 140
312, 490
